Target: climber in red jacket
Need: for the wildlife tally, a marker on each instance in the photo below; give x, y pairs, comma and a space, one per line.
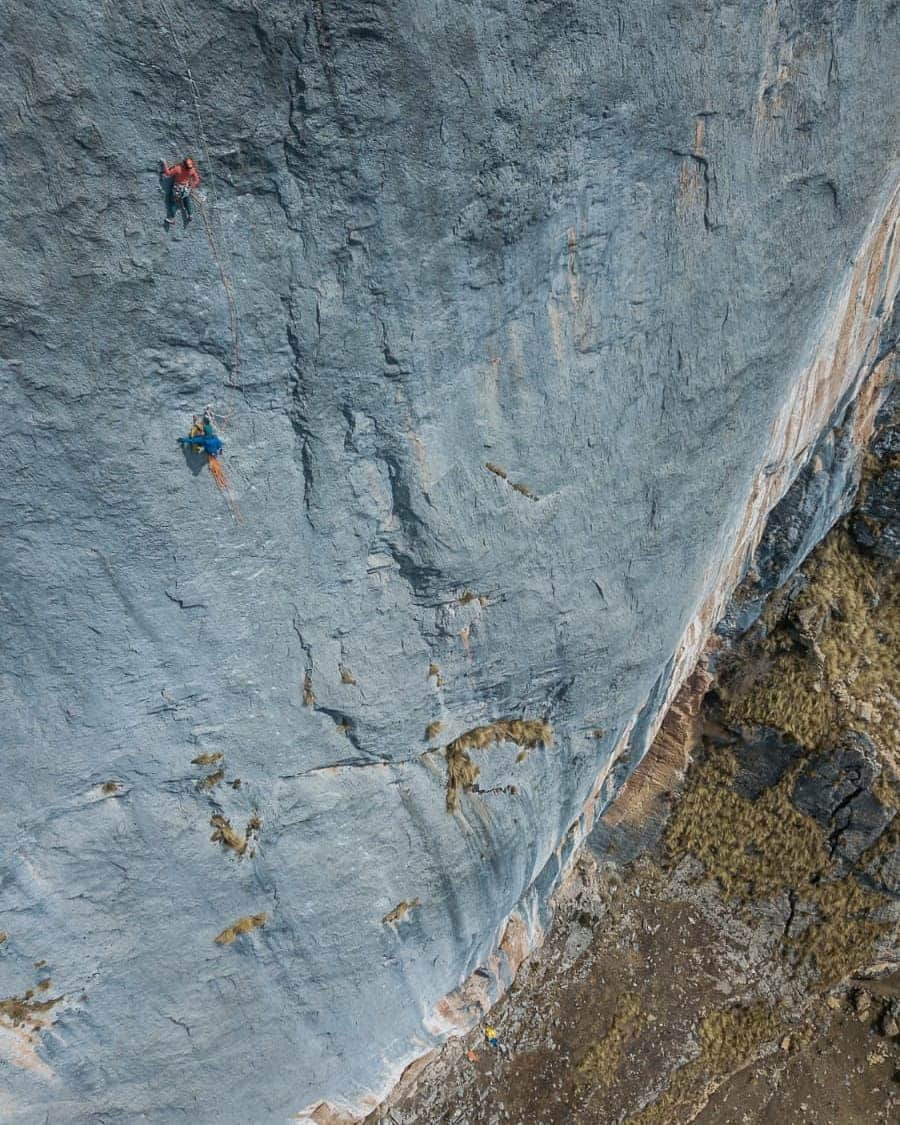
183, 178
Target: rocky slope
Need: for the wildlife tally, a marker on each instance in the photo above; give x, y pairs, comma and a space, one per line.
519, 319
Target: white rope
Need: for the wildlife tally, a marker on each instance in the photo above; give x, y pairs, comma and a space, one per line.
225, 278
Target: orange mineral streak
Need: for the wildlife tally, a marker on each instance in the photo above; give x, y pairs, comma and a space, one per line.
222, 483
840, 367
667, 759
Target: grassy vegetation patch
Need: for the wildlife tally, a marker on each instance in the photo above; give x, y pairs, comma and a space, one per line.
242, 926
24, 1009
830, 663
462, 773
599, 1065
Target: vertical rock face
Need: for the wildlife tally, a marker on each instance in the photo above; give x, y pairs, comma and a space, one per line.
519, 319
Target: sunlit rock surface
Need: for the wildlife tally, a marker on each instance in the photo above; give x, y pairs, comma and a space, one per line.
637, 259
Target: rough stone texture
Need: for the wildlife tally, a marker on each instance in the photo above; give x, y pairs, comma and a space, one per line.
594, 246
835, 789
876, 522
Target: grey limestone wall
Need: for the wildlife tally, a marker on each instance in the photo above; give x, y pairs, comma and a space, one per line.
588, 243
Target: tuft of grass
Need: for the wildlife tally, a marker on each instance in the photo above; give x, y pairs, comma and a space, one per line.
3, 936
109, 787
462, 773
207, 759
18, 1010
434, 671
728, 1038
400, 911
517, 486
433, 730
309, 699
211, 780
224, 834
599, 1065
242, 926
347, 677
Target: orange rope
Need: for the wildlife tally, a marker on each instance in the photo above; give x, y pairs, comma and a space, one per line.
223, 484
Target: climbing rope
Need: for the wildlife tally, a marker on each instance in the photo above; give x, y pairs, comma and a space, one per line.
223, 274
229, 294
224, 485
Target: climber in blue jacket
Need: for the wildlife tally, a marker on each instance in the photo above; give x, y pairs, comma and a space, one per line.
209, 443
203, 436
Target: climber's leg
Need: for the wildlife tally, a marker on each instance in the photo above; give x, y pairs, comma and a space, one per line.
171, 205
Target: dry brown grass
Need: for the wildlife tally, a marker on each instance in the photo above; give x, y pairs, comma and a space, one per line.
521, 732
18, 1010
753, 849
599, 1065
309, 699
225, 835
830, 664
207, 759
109, 787
729, 1038
758, 850
433, 730
462, 773
3, 936
347, 677
400, 911
826, 666
211, 780
242, 926
517, 486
